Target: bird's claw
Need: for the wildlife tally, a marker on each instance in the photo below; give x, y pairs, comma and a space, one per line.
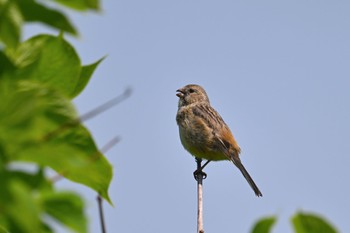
199, 174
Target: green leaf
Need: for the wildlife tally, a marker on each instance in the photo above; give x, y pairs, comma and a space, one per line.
25, 198
34, 12
10, 23
46, 228
3, 229
81, 5
311, 223
21, 209
74, 155
6, 64
67, 208
264, 225
85, 76
50, 60
28, 111
53, 61
36, 181
39, 125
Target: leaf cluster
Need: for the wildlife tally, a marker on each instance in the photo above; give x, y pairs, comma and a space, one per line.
302, 223
14, 13
39, 126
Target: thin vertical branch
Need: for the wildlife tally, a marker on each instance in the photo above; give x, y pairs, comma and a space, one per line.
199, 175
100, 210
104, 149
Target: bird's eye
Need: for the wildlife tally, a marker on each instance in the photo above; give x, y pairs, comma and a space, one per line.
191, 90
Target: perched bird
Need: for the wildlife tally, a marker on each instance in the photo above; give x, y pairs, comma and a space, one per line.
204, 133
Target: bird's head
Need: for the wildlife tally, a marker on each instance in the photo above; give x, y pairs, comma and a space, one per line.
190, 94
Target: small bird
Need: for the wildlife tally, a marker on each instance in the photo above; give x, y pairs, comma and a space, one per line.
203, 132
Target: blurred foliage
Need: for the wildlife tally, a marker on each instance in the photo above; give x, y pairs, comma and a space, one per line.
311, 223
264, 225
25, 200
39, 126
302, 223
14, 13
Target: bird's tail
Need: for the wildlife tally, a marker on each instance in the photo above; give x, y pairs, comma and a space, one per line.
246, 175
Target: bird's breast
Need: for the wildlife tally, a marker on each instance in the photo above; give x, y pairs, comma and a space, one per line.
196, 136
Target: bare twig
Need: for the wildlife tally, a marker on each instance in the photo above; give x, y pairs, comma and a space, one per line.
106, 105
109, 145
199, 176
104, 149
91, 114
100, 210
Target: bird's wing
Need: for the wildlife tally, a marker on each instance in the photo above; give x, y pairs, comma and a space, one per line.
222, 136
211, 118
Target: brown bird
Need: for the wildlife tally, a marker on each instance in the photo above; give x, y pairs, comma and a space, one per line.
204, 133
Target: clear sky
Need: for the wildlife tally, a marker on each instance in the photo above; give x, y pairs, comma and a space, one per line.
277, 71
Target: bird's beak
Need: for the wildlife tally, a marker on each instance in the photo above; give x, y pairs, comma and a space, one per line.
180, 93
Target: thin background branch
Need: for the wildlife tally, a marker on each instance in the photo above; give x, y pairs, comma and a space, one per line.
100, 211
104, 150
91, 114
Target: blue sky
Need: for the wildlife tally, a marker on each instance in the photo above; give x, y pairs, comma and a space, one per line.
278, 73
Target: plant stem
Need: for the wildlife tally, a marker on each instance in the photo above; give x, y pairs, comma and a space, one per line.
100, 210
199, 178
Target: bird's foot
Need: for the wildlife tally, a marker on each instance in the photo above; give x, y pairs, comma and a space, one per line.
199, 174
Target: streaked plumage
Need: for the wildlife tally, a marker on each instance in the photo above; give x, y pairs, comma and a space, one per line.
204, 133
